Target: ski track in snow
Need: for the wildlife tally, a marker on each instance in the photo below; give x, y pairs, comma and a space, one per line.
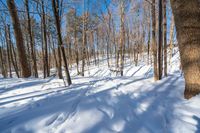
101, 102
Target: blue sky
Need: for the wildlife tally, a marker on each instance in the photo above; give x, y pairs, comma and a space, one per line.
96, 6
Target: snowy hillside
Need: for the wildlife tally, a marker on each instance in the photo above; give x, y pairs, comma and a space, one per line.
100, 102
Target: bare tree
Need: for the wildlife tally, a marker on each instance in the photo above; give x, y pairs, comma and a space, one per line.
11, 50
122, 35
26, 72
3, 67
33, 56
8, 51
56, 11
160, 41
46, 66
154, 45
165, 36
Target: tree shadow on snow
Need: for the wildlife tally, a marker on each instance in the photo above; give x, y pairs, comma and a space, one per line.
117, 111
198, 123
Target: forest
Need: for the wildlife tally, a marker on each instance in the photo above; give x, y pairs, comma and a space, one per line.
100, 66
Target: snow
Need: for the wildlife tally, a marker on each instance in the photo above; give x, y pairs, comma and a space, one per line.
100, 102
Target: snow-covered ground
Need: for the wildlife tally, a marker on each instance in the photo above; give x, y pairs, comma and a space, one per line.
100, 102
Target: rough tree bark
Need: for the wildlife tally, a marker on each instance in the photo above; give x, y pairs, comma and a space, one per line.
83, 44
122, 36
3, 67
26, 72
187, 21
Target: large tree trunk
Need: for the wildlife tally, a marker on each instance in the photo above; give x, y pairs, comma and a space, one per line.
33, 56
43, 56
83, 46
55, 6
122, 36
187, 21
60, 75
165, 36
154, 45
15, 60
2, 63
26, 72
47, 71
160, 42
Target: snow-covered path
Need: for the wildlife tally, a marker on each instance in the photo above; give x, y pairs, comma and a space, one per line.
101, 102
98, 105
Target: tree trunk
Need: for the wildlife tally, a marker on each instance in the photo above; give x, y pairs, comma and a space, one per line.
26, 72
154, 45
8, 52
187, 21
122, 37
97, 45
160, 42
28, 51
55, 6
54, 53
83, 46
33, 56
165, 36
11, 53
15, 59
148, 44
107, 50
43, 54
3, 67
45, 42
60, 75
76, 50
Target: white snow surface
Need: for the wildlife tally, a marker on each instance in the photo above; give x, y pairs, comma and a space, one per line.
100, 102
